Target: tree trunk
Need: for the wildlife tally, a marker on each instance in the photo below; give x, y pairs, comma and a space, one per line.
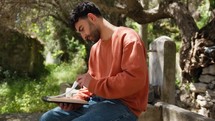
143, 28
203, 49
187, 27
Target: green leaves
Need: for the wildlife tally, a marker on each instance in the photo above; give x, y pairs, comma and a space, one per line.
212, 4
205, 13
23, 94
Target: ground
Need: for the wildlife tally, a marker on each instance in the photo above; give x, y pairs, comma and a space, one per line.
20, 117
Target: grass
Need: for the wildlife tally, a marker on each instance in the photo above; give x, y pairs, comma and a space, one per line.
23, 94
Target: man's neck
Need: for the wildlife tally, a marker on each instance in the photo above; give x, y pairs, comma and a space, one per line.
107, 30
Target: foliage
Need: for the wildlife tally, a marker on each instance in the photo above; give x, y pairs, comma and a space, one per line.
212, 4
44, 30
67, 72
178, 45
56, 37
162, 27
205, 13
177, 83
23, 94
165, 27
132, 24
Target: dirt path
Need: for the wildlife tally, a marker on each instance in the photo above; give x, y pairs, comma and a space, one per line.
20, 117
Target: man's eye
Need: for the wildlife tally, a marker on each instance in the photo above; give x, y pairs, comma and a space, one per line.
81, 29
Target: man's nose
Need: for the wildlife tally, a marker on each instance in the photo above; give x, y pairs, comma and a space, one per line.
83, 35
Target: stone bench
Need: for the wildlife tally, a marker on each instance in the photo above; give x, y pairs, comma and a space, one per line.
161, 111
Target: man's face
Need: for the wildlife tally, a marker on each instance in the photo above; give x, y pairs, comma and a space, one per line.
88, 30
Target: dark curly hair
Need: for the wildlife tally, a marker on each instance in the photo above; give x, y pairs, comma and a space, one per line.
81, 11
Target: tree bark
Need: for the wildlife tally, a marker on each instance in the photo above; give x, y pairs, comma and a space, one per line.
203, 49
187, 28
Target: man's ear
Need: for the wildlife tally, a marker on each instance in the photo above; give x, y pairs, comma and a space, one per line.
91, 17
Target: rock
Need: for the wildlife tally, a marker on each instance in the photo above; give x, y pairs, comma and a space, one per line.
200, 97
211, 93
202, 103
204, 112
209, 70
206, 78
212, 112
184, 97
198, 87
211, 86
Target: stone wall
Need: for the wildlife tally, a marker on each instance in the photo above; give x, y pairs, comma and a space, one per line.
162, 66
19, 53
199, 96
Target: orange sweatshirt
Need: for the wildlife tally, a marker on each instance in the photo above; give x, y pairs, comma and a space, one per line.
119, 69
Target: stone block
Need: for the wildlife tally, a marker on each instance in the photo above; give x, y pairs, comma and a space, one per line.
152, 113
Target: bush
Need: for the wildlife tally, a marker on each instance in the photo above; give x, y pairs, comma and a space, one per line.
23, 94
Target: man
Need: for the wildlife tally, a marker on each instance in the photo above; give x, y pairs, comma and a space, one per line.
116, 83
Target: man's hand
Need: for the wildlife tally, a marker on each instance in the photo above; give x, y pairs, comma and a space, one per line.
69, 106
84, 80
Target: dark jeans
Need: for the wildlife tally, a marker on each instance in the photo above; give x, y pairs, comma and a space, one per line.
98, 109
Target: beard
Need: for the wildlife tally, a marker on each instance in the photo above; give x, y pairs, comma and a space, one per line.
94, 33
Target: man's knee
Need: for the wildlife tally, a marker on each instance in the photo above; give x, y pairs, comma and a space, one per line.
44, 117
48, 116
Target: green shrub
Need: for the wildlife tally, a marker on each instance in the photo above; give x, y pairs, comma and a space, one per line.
23, 94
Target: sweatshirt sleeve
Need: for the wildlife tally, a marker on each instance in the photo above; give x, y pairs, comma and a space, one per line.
133, 75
